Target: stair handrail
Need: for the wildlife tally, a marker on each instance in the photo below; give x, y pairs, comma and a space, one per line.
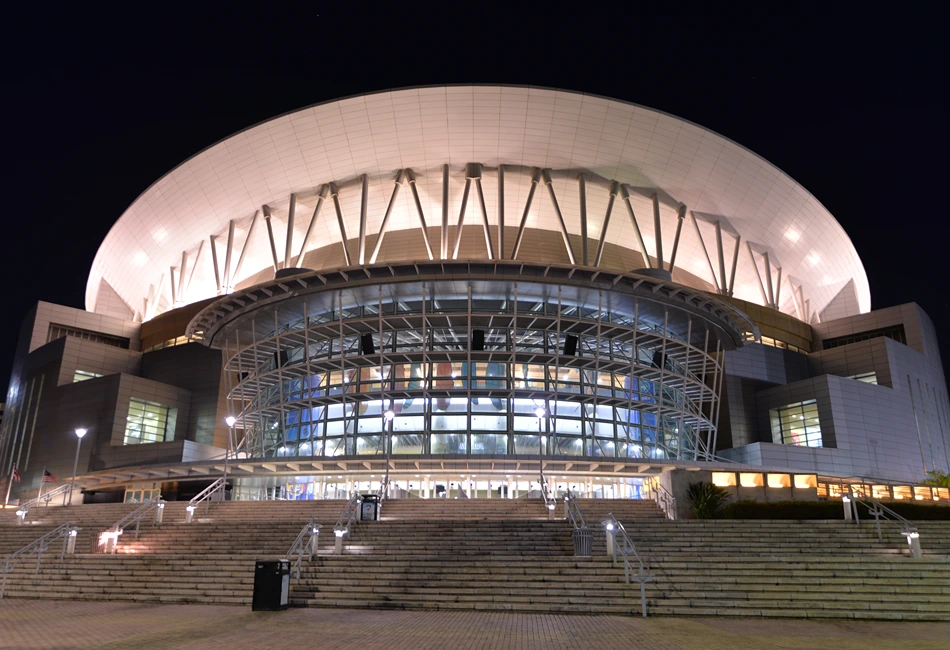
878, 510
38, 546
664, 499
383, 488
305, 544
206, 493
348, 516
47, 497
574, 512
550, 502
154, 505
625, 548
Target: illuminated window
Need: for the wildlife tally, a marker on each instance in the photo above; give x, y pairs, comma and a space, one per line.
57, 331
149, 422
866, 377
797, 424
84, 375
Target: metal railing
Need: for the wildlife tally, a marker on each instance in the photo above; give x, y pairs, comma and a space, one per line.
67, 531
383, 489
624, 547
879, 511
305, 544
550, 501
574, 512
347, 518
109, 538
208, 492
663, 498
43, 498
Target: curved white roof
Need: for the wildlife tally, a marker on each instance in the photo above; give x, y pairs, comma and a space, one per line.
809, 254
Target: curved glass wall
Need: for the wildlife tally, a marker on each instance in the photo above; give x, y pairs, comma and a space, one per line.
502, 369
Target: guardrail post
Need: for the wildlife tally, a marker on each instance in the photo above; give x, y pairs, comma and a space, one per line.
846, 502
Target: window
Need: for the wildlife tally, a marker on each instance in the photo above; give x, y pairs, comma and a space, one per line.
866, 377
895, 332
149, 422
797, 424
84, 375
59, 331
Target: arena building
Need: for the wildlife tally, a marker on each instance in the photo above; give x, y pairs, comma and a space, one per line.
465, 288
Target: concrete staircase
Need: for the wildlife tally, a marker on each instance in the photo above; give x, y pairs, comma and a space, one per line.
500, 554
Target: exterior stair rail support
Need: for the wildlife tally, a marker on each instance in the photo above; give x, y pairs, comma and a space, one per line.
67, 532
625, 548
43, 498
207, 493
347, 517
664, 499
109, 538
550, 502
305, 544
878, 510
574, 512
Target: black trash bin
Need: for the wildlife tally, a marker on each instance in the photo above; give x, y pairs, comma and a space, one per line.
369, 508
582, 539
271, 585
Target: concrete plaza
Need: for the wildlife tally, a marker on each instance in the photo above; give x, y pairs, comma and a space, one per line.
53, 625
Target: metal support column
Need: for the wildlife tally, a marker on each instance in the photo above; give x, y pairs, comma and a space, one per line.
614, 187
535, 179
560, 218
335, 195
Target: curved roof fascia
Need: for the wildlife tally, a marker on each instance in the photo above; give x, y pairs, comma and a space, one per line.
564, 130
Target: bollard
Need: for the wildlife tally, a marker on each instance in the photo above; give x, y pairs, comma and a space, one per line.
314, 538
189, 514
846, 502
20, 517
159, 513
71, 542
551, 511
338, 546
913, 540
110, 542
610, 540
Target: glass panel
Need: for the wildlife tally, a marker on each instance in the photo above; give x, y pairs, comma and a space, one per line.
407, 444
489, 443
449, 443
489, 423
145, 423
526, 445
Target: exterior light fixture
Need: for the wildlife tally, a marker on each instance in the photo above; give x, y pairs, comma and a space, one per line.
230, 420
846, 499
80, 433
610, 527
389, 415
539, 412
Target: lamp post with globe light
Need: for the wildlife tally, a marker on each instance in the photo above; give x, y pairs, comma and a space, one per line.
389, 415
230, 421
72, 484
540, 412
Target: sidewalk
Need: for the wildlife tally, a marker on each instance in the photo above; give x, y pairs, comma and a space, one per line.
26, 624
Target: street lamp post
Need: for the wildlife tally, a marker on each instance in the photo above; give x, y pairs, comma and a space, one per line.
389, 415
540, 412
230, 421
79, 434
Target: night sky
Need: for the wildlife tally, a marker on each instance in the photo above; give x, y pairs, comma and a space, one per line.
99, 104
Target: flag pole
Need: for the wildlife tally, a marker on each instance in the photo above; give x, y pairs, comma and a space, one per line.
9, 485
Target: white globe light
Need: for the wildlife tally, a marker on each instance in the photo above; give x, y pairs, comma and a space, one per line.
389, 415
80, 432
230, 420
539, 412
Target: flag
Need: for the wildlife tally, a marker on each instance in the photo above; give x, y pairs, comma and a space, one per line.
16, 475
49, 478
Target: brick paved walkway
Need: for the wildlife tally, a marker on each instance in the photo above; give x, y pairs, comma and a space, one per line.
52, 625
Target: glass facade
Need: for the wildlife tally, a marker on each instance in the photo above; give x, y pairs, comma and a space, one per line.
469, 375
797, 424
149, 422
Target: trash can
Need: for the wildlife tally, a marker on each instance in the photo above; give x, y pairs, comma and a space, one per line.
271, 585
582, 542
369, 508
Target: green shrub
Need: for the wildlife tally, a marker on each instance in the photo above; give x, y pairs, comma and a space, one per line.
825, 510
937, 479
706, 499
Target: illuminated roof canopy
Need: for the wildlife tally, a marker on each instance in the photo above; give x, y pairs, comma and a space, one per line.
734, 220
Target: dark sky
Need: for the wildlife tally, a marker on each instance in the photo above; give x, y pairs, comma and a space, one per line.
98, 104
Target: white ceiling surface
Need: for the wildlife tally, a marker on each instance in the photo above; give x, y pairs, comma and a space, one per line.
423, 128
